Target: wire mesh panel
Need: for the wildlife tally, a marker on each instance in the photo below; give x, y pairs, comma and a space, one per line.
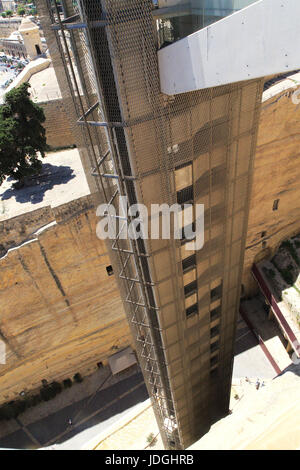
195, 148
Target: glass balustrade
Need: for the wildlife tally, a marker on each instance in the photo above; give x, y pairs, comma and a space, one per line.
177, 19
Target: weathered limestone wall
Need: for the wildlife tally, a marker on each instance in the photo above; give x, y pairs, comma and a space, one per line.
60, 313
15, 230
276, 176
57, 124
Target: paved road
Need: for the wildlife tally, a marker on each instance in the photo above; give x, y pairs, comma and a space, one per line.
92, 415
89, 418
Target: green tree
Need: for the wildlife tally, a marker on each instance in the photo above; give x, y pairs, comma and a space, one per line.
3, 14
9, 13
22, 136
21, 11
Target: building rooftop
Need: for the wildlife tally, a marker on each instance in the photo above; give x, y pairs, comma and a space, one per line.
44, 86
61, 181
27, 25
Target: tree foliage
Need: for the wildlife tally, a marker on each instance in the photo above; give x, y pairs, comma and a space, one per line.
22, 136
21, 11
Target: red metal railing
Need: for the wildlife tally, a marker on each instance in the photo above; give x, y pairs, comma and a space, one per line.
277, 312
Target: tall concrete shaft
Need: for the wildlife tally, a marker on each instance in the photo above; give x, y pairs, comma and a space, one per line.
195, 147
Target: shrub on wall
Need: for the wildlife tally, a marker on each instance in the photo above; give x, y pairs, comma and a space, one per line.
57, 387
77, 377
47, 392
67, 383
10, 410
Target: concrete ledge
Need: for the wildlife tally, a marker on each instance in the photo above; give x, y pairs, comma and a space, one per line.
30, 69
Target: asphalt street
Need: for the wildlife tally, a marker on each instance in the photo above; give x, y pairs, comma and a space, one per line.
89, 416
93, 414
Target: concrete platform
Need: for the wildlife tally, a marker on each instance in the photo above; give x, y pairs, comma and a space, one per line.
268, 330
249, 359
44, 86
61, 181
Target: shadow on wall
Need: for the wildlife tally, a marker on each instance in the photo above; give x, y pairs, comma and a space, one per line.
36, 187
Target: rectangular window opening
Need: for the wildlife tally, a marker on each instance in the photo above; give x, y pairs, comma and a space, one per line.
214, 360
190, 288
215, 313
189, 263
185, 195
214, 347
188, 229
109, 270
191, 310
216, 292
214, 331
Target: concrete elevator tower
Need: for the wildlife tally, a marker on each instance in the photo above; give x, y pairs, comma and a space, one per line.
166, 101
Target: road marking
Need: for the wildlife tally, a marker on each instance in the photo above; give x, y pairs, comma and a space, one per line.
31, 436
67, 431
242, 336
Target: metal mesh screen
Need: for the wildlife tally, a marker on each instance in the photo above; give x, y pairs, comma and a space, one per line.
196, 147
